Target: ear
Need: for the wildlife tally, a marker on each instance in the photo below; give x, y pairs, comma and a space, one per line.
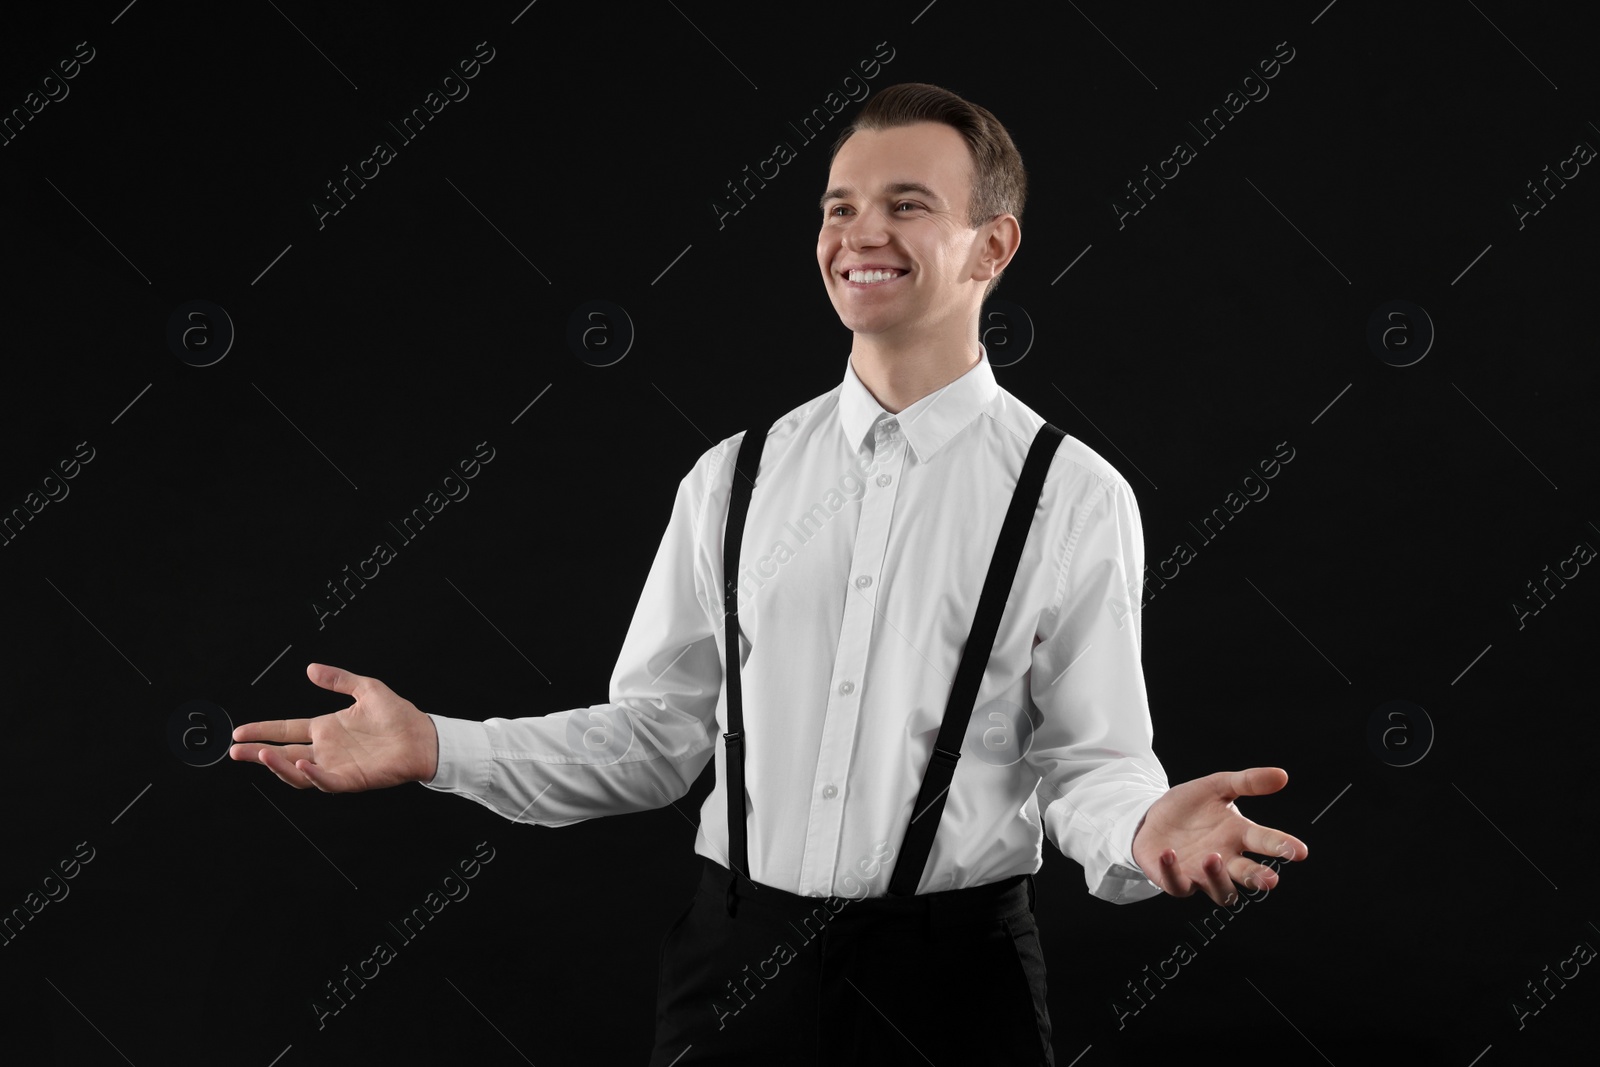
998, 241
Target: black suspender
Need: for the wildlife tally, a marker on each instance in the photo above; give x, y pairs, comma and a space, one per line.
744, 480
925, 813
924, 823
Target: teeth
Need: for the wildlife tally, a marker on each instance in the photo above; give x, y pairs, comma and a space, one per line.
868, 276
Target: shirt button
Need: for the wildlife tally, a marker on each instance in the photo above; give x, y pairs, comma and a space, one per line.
847, 688
863, 581
829, 791
884, 479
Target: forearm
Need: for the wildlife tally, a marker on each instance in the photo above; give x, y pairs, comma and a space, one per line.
570, 766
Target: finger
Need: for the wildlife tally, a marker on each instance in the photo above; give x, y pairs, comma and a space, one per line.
274, 761
1254, 782
1162, 874
1170, 877
246, 753
319, 777
1214, 879
292, 731
1265, 841
251, 753
1252, 875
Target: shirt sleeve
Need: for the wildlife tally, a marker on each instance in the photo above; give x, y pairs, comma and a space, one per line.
645, 747
1098, 771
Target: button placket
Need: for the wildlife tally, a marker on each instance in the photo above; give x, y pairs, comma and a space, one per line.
826, 820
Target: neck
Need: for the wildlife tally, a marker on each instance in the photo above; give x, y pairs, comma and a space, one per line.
898, 375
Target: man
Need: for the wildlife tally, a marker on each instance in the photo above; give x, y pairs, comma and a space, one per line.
824, 926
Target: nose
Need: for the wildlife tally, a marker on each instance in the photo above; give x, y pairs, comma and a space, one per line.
866, 230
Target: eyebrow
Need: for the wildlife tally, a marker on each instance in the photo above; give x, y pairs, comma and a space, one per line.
892, 189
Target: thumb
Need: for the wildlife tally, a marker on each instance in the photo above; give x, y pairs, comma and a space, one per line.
340, 681
1256, 781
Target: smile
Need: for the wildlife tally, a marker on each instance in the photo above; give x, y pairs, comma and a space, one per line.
865, 278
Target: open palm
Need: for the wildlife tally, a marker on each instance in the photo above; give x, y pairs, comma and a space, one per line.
1194, 838
379, 741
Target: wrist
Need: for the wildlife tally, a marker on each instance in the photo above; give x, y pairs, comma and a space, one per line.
428, 763
1136, 846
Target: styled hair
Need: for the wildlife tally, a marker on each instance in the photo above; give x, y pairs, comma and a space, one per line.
999, 182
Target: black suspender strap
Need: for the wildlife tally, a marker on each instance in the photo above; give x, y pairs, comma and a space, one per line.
744, 480
918, 841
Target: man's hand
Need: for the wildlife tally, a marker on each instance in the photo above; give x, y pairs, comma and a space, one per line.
379, 741
1194, 838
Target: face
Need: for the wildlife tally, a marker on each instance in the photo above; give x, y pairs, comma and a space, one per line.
897, 200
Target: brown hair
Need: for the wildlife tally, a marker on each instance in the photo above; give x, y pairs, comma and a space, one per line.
999, 182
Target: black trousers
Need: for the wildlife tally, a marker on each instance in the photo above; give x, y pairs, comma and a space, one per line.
750, 974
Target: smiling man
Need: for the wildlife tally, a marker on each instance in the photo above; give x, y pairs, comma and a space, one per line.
921, 215
940, 667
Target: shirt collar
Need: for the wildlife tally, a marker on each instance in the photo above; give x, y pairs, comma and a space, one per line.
928, 423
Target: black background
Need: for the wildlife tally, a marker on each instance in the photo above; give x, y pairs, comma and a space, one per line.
376, 351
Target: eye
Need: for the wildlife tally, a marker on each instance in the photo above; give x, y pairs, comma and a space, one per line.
833, 212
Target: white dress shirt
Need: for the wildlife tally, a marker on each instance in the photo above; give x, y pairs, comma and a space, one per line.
864, 552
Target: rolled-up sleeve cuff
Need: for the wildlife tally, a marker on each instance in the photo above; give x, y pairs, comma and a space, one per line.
465, 758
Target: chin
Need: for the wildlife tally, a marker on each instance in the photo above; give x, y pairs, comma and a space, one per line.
860, 324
